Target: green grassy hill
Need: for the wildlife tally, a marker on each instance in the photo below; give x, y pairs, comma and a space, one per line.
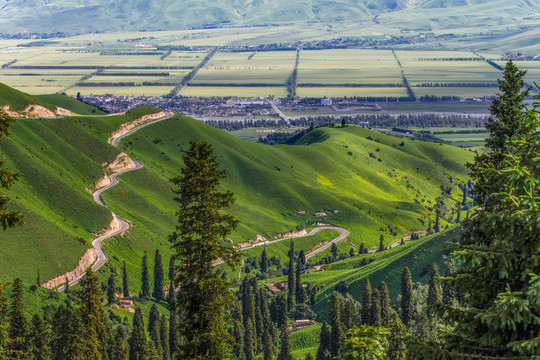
18, 100
380, 185
70, 104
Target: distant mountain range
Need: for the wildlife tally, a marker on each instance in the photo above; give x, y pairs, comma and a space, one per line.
107, 15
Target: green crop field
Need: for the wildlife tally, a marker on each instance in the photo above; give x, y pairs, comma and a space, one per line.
209, 91
351, 91
305, 341
122, 90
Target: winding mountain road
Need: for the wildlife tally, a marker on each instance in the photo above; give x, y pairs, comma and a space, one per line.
124, 224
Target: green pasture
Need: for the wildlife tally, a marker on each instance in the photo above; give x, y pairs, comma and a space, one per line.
456, 91
351, 91
71, 104
209, 91
121, 90
305, 341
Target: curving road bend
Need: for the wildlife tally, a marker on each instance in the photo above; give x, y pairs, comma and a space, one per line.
124, 225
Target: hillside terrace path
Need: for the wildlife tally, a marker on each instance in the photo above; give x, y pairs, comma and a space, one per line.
124, 224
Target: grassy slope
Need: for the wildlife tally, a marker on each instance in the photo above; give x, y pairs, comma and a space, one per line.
70, 104
17, 100
305, 341
58, 159
271, 183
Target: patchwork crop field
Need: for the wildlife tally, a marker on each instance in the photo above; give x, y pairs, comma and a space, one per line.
141, 66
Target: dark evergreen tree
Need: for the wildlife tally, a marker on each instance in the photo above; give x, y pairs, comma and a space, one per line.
174, 338
138, 343
434, 289
396, 338
172, 272
351, 252
386, 309
407, 306
285, 351
159, 278
268, 345
458, 217
153, 321
325, 343
171, 295
430, 227
145, 288
39, 338
375, 309
38, 279
362, 249
338, 332
290, 279
125, 281
238, 334
437, 227
349, 314
366, 302
281, 310
334, 250
381, 243
18, 325
66, 333
250, 343
264, 261
95, 336
302, 257
66, 286
300, 291
199, 241
119, 348
111, 289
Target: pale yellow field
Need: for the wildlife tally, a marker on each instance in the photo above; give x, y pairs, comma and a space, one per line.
208, 91
119, 90
348, 91
455, 91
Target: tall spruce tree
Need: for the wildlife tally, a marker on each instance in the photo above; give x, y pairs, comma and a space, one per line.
171, 295
497, 275
159, 278
338, 331
325, 343
125, 280
153, 320
285, 351
172, 271
362, 249
95, 337
18, 325
39, 337
66, 335
381, 243
199, 241
250, 342
434, 289
290, 278
384, 298
366, 302
238, 334
145, 277
138, 344
111, 289
268, 345
264, 261
396, 338
119, 348
437, 227
375, 308
164, 337
300, 291
407, 304
174, 338
349, 313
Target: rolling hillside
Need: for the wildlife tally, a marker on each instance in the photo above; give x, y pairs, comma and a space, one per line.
380, 185
99, 15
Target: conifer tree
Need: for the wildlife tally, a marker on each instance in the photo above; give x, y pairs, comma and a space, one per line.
18, 325
120, 349
434, 289
199, 241
281, 310
285, 351
66, 334
407, 306
302, 258
349, 313
174, 338
366, 302
362, 249
268, 345
171, 295
172, 271
436, 227
159, 279
375, 308
111, 289
153, 351
39, 337
138, 343
300, 291
338, 332
497, 277
153, 320
396, 338
458, 217
250, 344
334, 250
38, 279
325, 343
145, 277
290, 279
95, 337
384, 297
125, 281
264, 261
381, 243
238, 334
430, 227
66, 286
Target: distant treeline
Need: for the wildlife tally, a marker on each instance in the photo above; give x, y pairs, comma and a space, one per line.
450, 59
136, 74
193, 73
478, 84
351, 85
401, 121
447, 98
136, 53
93, 67
236, 84
8, 64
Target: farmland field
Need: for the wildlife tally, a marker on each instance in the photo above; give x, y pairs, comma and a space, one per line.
208, 91
122, 90
351, 91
